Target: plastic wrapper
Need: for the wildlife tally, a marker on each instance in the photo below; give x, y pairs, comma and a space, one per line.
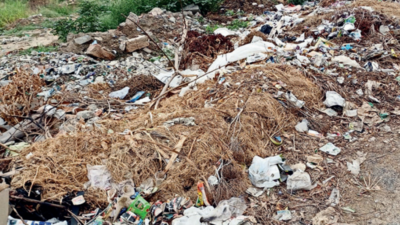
264, 172
99, 176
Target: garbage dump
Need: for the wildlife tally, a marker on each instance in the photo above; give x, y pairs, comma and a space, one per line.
275, 122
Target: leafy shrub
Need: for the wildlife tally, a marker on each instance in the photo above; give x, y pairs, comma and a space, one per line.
211, 28
88, 21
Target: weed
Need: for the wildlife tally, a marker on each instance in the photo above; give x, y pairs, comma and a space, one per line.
11, 11
56, 10
19, 30
211, 28
237, 24
200, 19
230, 13
38, 49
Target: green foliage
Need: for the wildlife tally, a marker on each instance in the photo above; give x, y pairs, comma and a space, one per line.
233, 13
296, 2
19, 30
11, 11
39, 49
200, 19
57, 10
211, 28
236, 24
88, 21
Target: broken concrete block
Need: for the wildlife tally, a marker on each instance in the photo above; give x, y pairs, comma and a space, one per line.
137, 43
129, 23
83, 40
99, 52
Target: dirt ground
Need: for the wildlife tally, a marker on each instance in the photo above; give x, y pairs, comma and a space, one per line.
379, 207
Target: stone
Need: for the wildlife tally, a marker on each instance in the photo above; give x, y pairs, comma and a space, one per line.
172, 19
137, 43
99, 52
129, 23
83, 40
85, 115
193, 8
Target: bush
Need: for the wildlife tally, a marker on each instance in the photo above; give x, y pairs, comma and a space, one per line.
11, 11
236, 24
88, 21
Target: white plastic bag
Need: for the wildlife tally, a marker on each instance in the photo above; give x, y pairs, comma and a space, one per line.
264, 172
226, 209
99, 176
119, 94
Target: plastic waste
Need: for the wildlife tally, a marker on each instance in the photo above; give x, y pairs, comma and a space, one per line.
164, 77
263, 173
226, 209
330, 148
201, 195
136, 96
240, 53
300, 180
293, 99
334, 99
12, 221
354, 167
119, 94
266, 29
184, 121
283, 215
99, 176
334, 198
346, 61
139, 206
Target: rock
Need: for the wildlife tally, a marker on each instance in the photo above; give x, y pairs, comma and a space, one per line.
129, 23
147, 50
85, 115
137, 43
387, 129
156, 11
193, 8
83, 40
333, 99
99, 52
172, 19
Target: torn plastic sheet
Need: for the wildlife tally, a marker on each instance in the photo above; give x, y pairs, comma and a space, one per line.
330, 148
225, 210
292, 98
263, 173
346, 61
192, 74
240, 53
119, 94
226, 32
164, 77
354, 167
299, 181
13, 221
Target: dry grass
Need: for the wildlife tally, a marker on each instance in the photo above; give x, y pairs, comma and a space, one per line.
18, 98
384, 7
61, 162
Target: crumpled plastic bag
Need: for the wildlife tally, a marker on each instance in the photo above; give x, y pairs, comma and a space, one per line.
264, 172
226, 209
99, 176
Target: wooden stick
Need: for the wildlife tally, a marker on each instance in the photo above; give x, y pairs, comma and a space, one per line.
38, 202
178, 148
191, 147
22, 219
